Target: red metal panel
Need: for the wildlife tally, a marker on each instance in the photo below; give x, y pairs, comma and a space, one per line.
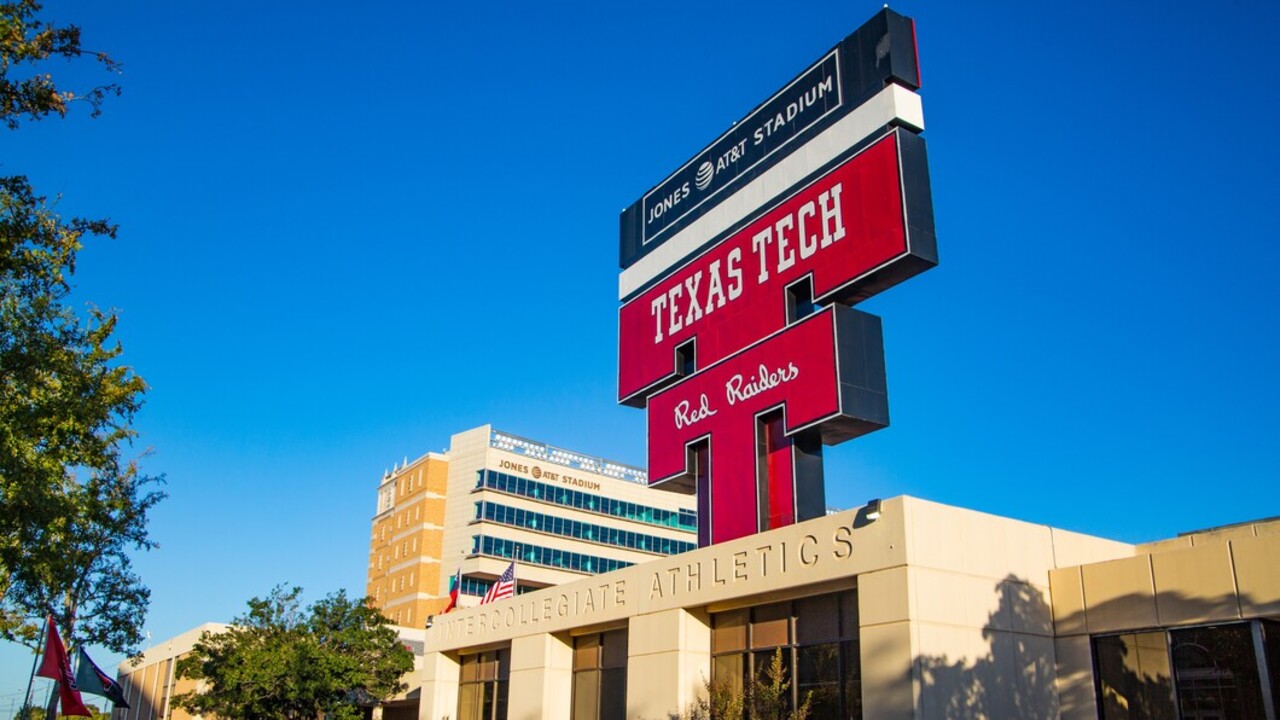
840, 228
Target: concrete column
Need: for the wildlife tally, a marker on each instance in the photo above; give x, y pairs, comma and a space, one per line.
541, 677
889, 682
668, 663
889, 652
439, 680
1075, 678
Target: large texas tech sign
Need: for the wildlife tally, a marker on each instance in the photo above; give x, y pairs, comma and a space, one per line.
738, 270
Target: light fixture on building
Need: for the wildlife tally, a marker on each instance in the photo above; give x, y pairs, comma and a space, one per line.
431, 620
873, 509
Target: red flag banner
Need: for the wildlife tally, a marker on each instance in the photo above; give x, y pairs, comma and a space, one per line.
57, 666
455, 589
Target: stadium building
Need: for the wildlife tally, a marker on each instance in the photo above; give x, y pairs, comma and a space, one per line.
493, 497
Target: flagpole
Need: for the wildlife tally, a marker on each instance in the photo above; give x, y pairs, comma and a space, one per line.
51, 708
515, 581
26, 699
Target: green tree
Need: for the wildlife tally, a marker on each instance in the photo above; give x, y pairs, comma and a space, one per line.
26, 42
281, 661
71, 506
767, 696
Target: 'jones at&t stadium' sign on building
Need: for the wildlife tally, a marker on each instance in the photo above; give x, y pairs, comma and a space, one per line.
738, 271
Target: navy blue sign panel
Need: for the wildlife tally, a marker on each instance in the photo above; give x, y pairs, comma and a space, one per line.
881, 52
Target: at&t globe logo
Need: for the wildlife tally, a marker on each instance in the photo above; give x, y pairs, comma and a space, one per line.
706, 171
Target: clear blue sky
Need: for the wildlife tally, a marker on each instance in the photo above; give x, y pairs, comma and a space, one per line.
348, 232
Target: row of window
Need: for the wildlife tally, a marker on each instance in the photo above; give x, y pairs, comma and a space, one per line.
402, 580
492, 480
403, 617
476, 587
600, 676
811, 643
599, 680
380, 557
482, 685
1221, 671
547, 557
409, 484
553, 525
401, 520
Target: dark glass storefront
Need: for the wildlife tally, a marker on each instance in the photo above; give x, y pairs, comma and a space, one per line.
600, 676
817, 639
482, 687
1212, 672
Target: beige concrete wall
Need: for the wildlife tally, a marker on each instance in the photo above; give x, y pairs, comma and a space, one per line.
665, 602
1209, 582
1217, 576
542, 675
669, 661
1214, 536
975, 598
150, 683
961, 613
819, 551
437, 681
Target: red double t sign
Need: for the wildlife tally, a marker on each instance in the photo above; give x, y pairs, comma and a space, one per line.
749, 359
747, 431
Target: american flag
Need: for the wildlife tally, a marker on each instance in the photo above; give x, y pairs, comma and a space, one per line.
504, 588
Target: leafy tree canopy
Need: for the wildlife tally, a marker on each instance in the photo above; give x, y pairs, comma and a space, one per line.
71, 506
26, 42
281, 661
765, 696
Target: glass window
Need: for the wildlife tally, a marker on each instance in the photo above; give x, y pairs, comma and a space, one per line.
770, 625
1215, 671
600, 676
821, 620
482, 688
586, 695
851, 677
729, 672
815, 664
818, 678
586, 652
1271, 649
729, 631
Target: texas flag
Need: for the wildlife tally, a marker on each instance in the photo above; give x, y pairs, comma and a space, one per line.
455, 587
57, 666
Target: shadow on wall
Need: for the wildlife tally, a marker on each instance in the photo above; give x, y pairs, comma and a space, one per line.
1136, 639
1015, 680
